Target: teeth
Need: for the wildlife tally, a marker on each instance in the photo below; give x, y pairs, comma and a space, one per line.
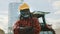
25, 15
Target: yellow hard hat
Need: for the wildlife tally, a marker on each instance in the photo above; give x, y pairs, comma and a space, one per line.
23, 6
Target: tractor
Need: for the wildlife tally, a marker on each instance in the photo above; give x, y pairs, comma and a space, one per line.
45, 28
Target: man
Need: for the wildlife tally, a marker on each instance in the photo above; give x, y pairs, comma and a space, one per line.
26, 21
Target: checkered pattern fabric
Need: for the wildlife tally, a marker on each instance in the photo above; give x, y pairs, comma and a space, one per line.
27, 22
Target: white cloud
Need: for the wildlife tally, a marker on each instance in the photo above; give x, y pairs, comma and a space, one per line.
4, 11
54, 22
49, 1
50, 20
56, 5
4, 20
1, 27
57, 12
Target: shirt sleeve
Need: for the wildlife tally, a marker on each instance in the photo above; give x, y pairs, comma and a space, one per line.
15, 28
16, 25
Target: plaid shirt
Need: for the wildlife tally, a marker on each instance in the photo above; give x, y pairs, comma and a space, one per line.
27, 22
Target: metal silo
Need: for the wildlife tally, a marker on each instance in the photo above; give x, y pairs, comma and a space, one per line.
13, 14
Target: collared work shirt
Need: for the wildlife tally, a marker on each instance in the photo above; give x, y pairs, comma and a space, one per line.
27, 22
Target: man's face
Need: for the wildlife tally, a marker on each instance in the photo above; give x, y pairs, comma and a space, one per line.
25, 13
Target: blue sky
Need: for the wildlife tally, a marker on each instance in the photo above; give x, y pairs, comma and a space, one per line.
52, 6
